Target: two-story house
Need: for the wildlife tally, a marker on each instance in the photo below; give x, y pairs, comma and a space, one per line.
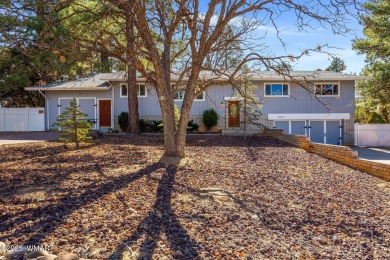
319, 104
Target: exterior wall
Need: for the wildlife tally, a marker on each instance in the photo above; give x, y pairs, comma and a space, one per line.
150, 106
53, 97
301, 101
340, 154
349, 131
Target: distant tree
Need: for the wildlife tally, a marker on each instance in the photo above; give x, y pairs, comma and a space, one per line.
336, 65
73, 125
375, 91
25, 59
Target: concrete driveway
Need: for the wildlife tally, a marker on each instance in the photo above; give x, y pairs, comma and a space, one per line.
17, 138
375, 154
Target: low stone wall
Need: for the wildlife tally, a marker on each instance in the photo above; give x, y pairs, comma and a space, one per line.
340, 154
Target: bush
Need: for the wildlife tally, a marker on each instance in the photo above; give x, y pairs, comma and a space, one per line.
123, 121
192, 126
177, 116
210, 118
150, 126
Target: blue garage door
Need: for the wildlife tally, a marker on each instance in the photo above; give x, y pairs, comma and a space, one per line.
283, 125
333, 132
298, 127
317, 133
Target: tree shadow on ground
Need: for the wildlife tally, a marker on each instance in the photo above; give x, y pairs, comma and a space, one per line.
198, 140
53, 215
161, 220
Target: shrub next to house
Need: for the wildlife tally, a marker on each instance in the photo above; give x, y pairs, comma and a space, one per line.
210, 118
123, 121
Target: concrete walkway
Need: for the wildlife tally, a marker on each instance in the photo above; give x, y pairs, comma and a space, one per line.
29, 137
375, 154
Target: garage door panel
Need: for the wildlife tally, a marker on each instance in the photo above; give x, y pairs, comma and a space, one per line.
298, 127
333, 132
63, 104
282, 125
87, 106
317, 131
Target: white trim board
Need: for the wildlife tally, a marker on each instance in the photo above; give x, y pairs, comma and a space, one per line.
233, 98
309, 116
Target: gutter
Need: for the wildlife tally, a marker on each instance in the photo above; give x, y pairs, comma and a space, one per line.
46, 108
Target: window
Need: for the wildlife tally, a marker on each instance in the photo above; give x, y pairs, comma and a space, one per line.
141, 90
328, 89
201, 96
179, 95
277, 89
123, 90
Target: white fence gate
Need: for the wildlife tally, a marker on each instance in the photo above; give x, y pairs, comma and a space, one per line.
372, 135
22, 119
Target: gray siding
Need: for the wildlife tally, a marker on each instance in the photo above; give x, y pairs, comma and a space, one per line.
53, 97
149, 106
301, 101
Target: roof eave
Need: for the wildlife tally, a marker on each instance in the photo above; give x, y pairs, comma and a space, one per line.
58, 88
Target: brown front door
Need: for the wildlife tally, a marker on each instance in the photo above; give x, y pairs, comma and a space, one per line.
105, 113
234, 113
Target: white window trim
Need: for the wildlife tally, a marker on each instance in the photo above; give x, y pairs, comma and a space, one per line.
273, 83
183, 95
138, 85
120, 90
325, 83
203, 97
146, 91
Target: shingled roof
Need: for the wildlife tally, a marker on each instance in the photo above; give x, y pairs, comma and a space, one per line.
92, 81
101, 81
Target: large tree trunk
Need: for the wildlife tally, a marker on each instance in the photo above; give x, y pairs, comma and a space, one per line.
132, 79
167, 109
182, 133
183, 123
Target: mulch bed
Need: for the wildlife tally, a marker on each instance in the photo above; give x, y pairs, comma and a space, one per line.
231, 198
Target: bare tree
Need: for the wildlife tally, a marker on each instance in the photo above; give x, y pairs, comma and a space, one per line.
179, 36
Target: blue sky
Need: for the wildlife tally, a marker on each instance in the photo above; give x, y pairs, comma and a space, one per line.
296, 41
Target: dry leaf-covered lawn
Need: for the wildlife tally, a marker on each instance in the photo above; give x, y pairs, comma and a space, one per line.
231, 199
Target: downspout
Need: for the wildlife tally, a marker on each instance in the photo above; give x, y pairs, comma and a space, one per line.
46, 108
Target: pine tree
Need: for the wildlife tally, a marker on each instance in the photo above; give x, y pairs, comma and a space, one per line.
375, 92
74, 127
336, 65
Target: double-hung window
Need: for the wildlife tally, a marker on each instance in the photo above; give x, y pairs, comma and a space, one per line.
277, 90
141, 90
327, 89
179, 95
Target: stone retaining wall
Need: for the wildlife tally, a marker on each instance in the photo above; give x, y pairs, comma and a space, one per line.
340, 154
